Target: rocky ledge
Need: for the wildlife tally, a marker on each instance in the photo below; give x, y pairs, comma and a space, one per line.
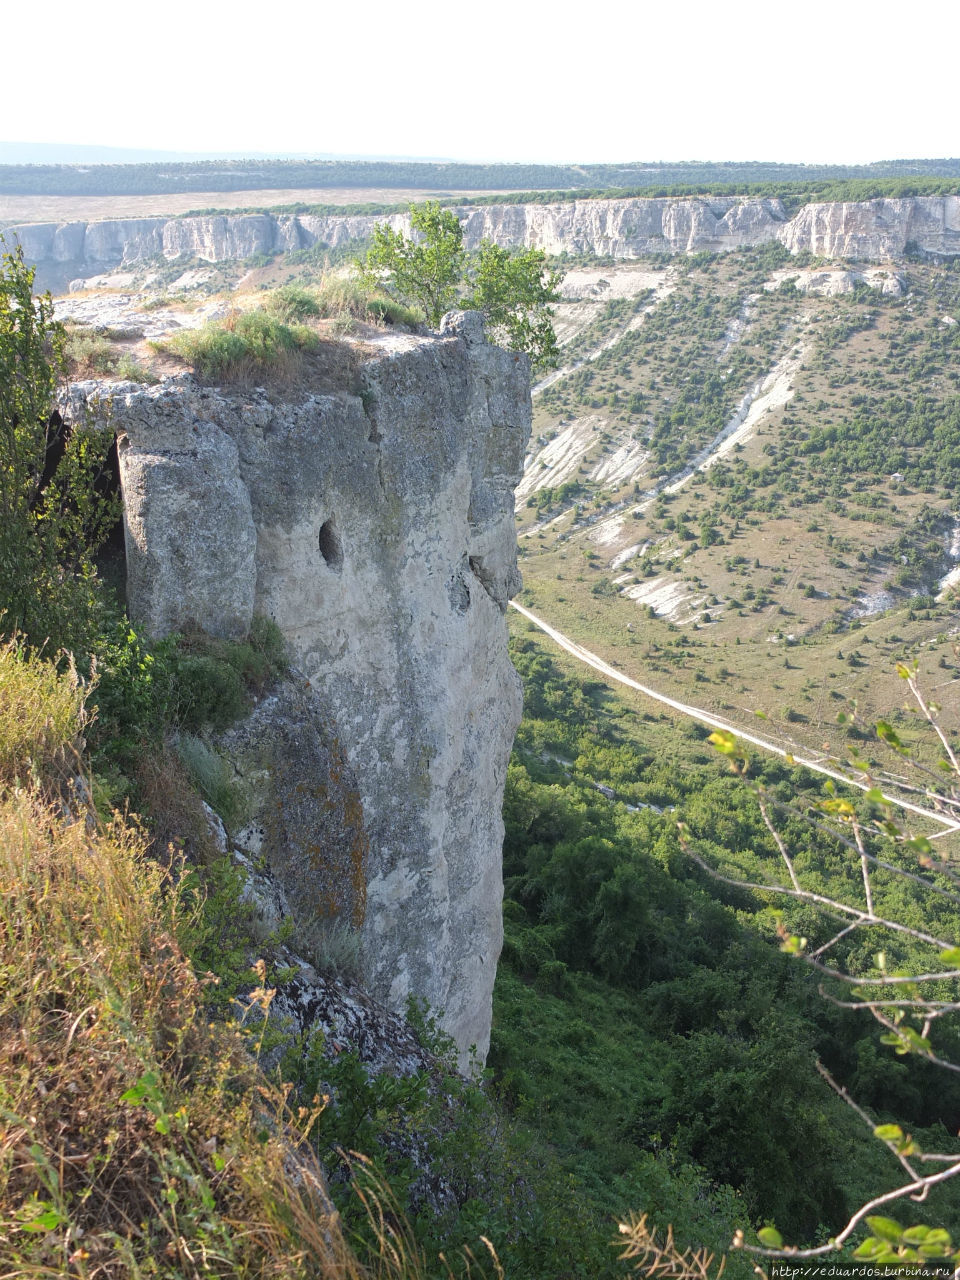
375, 525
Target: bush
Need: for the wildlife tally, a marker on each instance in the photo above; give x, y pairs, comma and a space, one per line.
291, 302
186, 682
344, 298
53, 517
89, 352
242, 346
209, 692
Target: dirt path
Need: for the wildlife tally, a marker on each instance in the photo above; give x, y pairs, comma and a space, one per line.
949, 825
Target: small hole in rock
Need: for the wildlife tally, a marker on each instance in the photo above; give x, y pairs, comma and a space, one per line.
330, 546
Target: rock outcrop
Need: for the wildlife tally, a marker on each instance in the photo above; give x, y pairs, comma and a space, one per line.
872, 230
876, 230
375, 525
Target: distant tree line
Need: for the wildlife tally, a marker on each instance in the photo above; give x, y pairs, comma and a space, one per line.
552, 181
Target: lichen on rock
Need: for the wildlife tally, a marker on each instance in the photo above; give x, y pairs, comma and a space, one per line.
375, 525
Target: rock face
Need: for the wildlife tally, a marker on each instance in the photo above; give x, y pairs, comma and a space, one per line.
832, 283
873, 230
876, 230
376, 526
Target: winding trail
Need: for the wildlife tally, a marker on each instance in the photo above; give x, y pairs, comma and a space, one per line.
949, 825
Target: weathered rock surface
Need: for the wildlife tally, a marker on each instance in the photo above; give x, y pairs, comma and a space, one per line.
834, 283
376, 526
873, 230
306, 824
312, 1001
876, 230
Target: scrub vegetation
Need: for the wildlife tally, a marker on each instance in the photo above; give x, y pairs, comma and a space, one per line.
660, 1047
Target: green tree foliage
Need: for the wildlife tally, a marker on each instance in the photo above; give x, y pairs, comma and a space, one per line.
644, 1011
433, 271
512, 289
426, 271
51, 517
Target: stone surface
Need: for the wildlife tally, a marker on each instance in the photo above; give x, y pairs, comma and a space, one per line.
833, 283
873, 230
306, 825
876, 230
376, 526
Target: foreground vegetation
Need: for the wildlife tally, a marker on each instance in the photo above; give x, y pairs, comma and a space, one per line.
656, 1038
137, 1135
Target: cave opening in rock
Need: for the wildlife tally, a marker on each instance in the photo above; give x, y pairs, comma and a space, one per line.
111, 559
330, 546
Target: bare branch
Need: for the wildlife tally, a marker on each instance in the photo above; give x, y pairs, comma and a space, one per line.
761, 799
921, 1185
889, 981
833, 941
807, 895
937, 1008
932, 720
864, 866
841, 1092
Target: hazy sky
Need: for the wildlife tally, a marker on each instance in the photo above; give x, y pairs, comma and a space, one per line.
849, 81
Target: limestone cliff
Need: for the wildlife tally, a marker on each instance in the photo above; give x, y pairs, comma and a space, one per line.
875, 230
375, 524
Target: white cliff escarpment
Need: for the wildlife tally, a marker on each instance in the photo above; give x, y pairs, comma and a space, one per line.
873, 230
375, 525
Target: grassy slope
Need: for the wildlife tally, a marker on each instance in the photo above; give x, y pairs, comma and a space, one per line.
796, 547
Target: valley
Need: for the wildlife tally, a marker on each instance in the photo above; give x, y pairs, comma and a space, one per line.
738, 512
743, 482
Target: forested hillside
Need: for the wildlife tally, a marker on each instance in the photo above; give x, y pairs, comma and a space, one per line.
647, 1020
743, 480
240, 175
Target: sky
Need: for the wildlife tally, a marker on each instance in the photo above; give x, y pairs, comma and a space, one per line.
528, 81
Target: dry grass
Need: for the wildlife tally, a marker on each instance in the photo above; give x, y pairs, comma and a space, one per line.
42, 715
249, 348
137, 1138
244, 346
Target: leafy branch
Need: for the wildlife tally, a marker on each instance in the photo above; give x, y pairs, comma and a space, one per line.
898, 996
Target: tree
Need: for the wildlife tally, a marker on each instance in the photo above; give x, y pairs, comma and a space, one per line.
52, 518
881, 939
514, 290
425, 272
433, 271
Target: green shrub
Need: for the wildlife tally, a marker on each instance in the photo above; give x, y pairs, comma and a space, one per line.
243, 346
53, 517
88, 352
208, 692
187, 682
291, 302
346, 297
130, 370
213, 778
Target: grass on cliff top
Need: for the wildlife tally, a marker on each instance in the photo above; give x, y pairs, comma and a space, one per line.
341, 299
244, 345
136, 1137
292, 338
